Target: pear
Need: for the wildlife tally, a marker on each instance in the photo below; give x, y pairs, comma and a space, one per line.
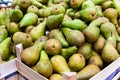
87, 72
12, 28
88, 14
28, 19
116, 4
85, 50
99, 11
43, 1
36, 3
64, 4
76, 62
57, 34
54, 21
97, 2
29, 28
11, 57
38, 31
33, 8
30, 55
91, 33
3, 34
55, 76
58, 9
59, 1
87, 4
5, 48
67, 52
23, 3
24, 38
111, 14
53, 47
98, 45
16, 15
107, 4
118, 47
59, 64
74, 37
44, 66
76, 3
97, 60
76, 24
109, 53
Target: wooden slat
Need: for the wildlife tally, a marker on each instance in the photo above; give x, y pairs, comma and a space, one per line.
69, 76
102, 75
28, 72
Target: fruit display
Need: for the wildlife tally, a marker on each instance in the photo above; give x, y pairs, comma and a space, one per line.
59, 36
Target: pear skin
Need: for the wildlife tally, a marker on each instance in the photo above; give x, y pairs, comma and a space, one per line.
24, 38
98, 1
3, 34
55, 76
67, 52
85, 50
28, 19
116, 4
33, 8
76, 62
38, 31
74, 37
111, 14
99, 11
76, 3
87, 4
57, 34
107, 4
5, 48
98, 45
76, 24
44, 66
87, 72
59, 64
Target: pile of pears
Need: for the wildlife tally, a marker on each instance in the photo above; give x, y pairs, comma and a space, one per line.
59, 36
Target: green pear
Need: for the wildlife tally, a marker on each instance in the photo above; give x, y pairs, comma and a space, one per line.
87, 72
24, 38
59, 1
53, 47
99, 44
118, 47
99, 11
76, 24
30, 55
33, 8
23, 4
109, 53
3, 34
59, 64
12, 28
64, 4
11, 57
67, 52
88, 14
58, 9
87, 4
108, 28
55, 76
111, 14
97, 2
116, 4
76, 62
43, 1
85, 50
57, 34
97, 60
76, 3
16, 15
28, 19
44, 66
74, 37
91, 33
107, 4
4, 17
29, 28
54, 21
36, 3
38, 31
5, 48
